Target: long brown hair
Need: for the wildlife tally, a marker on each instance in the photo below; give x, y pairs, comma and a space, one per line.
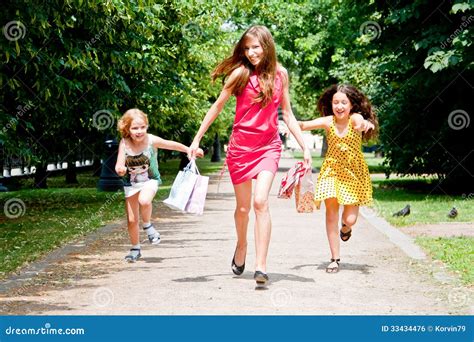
360, 104
266, 68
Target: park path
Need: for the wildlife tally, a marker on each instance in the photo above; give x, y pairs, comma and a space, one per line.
189, 272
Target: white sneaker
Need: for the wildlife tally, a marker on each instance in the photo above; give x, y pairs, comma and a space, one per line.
134, 255
155, 238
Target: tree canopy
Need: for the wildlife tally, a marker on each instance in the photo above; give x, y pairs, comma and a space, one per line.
71, 68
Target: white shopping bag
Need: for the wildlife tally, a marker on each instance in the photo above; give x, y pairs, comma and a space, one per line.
198, 196
182, 188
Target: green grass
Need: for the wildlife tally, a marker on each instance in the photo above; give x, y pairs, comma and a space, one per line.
429, 207
54, 216
374, 164
456, 252
426, 206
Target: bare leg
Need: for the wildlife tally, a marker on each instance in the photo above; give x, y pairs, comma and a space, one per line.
349, 217
131, 207
263, 224
332, 230
243, 196
145, 199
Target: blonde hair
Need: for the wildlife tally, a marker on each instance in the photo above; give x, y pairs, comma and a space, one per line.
125, 121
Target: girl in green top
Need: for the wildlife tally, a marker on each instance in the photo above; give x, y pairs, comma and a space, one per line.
137, 163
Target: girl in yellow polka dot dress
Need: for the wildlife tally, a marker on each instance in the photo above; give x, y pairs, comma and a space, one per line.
344, 178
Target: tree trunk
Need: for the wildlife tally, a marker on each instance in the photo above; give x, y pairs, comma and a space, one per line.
324, 148
41, 176
71, 172
184, 161
216, 149
184, 157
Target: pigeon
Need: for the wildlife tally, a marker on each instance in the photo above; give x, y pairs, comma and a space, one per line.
453, 213
404, 212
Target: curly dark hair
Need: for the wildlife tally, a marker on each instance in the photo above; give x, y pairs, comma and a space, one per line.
359, 102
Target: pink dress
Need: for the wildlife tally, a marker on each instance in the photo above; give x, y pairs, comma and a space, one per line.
255, 144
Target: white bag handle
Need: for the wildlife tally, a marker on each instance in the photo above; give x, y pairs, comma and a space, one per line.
192, 167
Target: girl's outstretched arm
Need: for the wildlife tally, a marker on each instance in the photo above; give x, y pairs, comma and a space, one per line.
173, 145
322, 122
360, 124
213, 112
120, 164
290, 119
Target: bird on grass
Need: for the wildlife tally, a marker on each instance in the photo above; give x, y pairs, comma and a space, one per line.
453, 213
404, 212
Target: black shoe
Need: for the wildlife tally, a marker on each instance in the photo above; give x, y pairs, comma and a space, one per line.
238, 270
261, 278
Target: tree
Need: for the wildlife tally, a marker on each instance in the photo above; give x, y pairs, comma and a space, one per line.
79, 65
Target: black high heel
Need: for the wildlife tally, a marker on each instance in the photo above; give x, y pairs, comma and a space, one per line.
238, 270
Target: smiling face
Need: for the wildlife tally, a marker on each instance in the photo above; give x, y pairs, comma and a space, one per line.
253, 50
138, 129
341, 106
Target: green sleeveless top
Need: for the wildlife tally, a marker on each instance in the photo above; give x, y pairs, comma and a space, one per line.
141, 167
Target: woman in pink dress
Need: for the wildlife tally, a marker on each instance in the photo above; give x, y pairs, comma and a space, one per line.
260, 85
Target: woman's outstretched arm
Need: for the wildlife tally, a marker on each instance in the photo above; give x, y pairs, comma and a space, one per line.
290, 119
213, 112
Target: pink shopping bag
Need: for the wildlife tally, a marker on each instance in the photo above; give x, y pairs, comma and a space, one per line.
197, 199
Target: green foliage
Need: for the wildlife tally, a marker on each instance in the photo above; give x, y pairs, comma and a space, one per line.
81, 64
456, 252
79, 58
413, 62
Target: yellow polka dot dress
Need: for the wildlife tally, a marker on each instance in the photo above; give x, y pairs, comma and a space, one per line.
344, 174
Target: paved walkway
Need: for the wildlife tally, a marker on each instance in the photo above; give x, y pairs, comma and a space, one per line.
189, 272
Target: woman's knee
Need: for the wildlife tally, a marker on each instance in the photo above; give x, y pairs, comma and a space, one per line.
260, 203
242, 210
